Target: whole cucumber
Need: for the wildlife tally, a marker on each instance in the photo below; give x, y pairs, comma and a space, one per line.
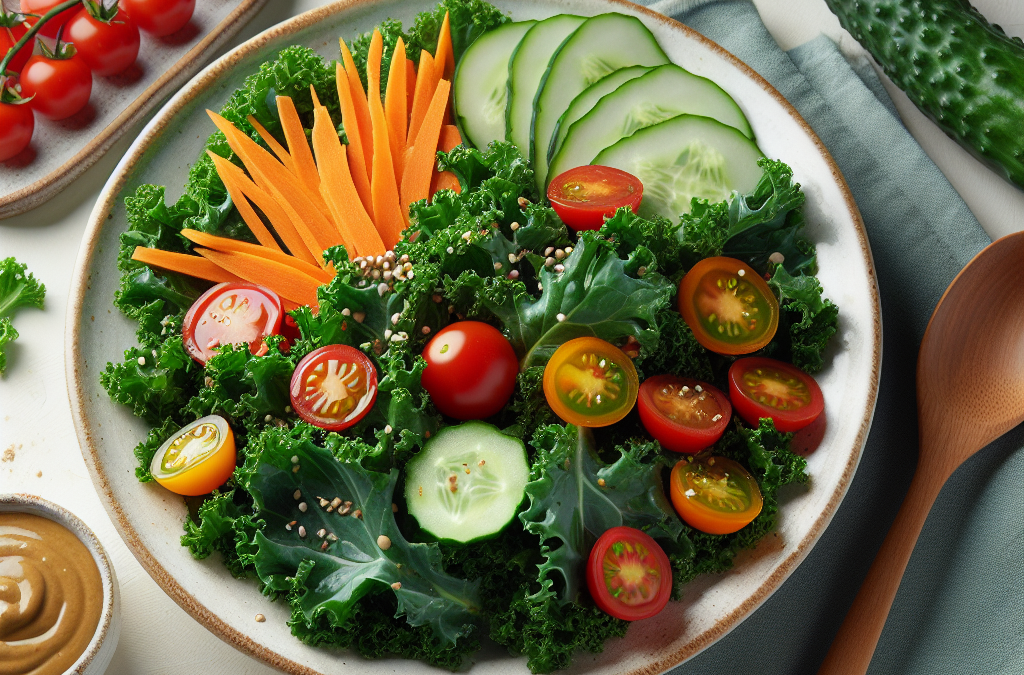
964, 73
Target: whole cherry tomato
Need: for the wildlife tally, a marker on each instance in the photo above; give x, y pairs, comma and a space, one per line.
583, 197
107, 45
628, 574
160, 17
59, 84
41, 7
16, 126
9, 36
471, 370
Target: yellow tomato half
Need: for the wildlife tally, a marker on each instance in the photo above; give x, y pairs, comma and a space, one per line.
590, 383
714, 494
197, 459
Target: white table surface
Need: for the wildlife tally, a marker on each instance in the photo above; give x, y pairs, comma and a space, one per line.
39, 452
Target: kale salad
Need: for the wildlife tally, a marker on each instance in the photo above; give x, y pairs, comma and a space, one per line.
302, 434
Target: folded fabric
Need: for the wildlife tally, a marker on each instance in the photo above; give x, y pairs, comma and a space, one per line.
960, 608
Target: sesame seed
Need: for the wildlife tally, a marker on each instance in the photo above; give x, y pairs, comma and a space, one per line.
690, 493
142, 360
450, 250
359, 316
741, 273
642, 271
523, 202
384, 542
323, 502
303, 507
777, 258
409, 276
358, 513
395, 318
260, 618
697, 388
321, 533
387, 334
295, 459
540, 286
396, 585
716, 417
288, 527
268, 418
332, 537
297, 495
549, 261
497, 266
560, 316
336, 502
388, 429
559, 268
568, 249
425, 330
515, 226
559, 254
382, 288
295, 469
346, 312
600, 481
399, 337
466, 235
323, 546
549, 250
302, 532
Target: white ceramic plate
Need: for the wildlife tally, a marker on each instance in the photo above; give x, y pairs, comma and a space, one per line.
150, 518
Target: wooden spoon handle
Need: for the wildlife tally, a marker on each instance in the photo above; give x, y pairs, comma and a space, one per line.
854, 645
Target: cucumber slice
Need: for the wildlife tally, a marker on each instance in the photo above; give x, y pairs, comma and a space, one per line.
661, 94
588, 98
525, 70
685, 157
467, 483
602, 44
481, 83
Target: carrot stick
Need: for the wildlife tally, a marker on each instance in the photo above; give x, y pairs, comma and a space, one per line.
340, 192
298, 148
272, 143
445, 53
227, 245
362, 109
387, 212
396, 107
357, 142
416, 182
191, 265
410, 82
249, 215
426, 83
286, 281
446, 180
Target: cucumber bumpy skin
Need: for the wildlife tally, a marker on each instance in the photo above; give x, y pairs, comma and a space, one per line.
965, 74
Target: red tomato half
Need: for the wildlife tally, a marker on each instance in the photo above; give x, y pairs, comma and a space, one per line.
728, 306
160, 17
41, 7
58, 88
761, 387
334, 387
16, 126
583, 197
231, 313
107, 48
628, 574
8, 38
683, 414
471, 370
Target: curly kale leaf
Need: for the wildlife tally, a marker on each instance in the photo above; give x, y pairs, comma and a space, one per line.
18, 288
810, 319
575, 498
8, 334
222, 523
155, 387
351, 565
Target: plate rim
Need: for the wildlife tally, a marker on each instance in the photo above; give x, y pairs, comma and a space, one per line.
32, 195
239, 640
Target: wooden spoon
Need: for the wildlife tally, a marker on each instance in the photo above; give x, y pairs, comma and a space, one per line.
970, 391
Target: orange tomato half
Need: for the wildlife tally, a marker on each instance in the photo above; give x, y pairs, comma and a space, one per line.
590, 383
714, 494
198, 459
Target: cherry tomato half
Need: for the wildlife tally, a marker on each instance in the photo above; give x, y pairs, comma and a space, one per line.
590, 383
9, 37
58, 88
762, 387
583, 197
728, 306
334, 387
231, 313
41, 7
471, 370
628, 574
108, 48
160, 17
197, 459
16, 126
683, 414
714, 494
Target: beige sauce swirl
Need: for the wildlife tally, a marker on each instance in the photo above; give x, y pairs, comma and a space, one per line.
51, 596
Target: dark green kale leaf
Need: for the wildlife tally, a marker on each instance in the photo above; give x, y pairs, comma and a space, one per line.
657, 235
7, 334
145, 450
221, 523
677, 351
575, 498
352, 564
811, 320
155, 387
18, 288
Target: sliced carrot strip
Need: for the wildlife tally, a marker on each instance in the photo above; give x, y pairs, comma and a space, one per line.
426, 83
226, 244
396, 107
249, 215
416, 182
450, 138
340, 192
191, 265
446, 180
387, 211
410, 82
298, 148
362, 108
357, 142
316, 99
272, 143
286, 281
445, 53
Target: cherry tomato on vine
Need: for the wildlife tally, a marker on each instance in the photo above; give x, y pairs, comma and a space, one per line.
714, 494
108, 43
9, 36
584, 196
761, 387
58, 87
728, 306
471, 370
334, 387
231, 313
16, 126
160, 17
198, 459
41, 7
590, 383
683, 414
628, 574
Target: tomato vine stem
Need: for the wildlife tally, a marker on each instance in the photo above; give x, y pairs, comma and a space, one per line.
27, 37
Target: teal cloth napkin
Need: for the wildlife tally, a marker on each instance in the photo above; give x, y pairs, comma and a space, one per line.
960, 608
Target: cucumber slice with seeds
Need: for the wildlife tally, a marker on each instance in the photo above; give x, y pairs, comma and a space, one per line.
481, 83
685, 157
467, 483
